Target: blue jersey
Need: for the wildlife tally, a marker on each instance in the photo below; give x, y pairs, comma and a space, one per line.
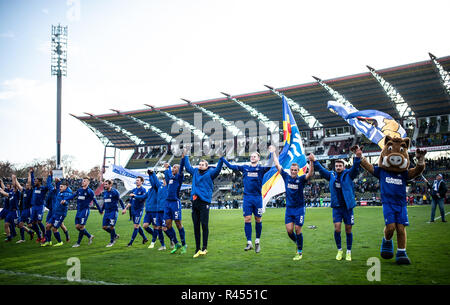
14, 197
39, 193
151, 204
339, 194
252, 177
6, 200
174, 182
161, 198
138, 201
110, 199
84, 198
26, 198
60, 209
294, 190
392, 186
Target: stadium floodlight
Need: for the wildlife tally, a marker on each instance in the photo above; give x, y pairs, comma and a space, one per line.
228, 125
444, 75
335, 94
310, 120
59, 68
135, 139
197, 132
254, 113
166, 137
105, 141
402, 107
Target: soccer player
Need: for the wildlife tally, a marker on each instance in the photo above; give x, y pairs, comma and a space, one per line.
138, 196
160, 221
201, 196
342, 199
59, 212
25, 213
51, 202
8, 189
11, 219
253, 175
85, 195
295, 203
37, 203
172, 211
110, 198
151, 207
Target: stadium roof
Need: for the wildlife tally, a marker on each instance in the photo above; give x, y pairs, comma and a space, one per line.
418, 83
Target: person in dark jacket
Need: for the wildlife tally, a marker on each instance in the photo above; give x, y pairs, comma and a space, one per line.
438, 193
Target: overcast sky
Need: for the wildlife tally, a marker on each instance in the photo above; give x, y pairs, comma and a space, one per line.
123, 54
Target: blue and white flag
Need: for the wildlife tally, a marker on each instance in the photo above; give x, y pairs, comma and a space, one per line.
374, 124
129, 177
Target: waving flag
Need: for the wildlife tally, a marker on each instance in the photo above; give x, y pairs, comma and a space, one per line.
292, 152
374, 124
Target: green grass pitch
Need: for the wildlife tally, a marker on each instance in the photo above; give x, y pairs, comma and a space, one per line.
227, 263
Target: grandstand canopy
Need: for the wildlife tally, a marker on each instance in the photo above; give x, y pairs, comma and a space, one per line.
418, 83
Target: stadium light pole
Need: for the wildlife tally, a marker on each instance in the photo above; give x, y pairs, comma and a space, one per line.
59, 68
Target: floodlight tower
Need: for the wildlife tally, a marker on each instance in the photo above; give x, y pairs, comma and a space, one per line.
59, 68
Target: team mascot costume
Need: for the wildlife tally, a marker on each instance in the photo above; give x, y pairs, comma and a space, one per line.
393, 172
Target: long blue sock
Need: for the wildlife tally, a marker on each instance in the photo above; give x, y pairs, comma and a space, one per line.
107, 230
299, 242
168, 235
149, 230
113, 234
48, 235
292, 236
182, 235
349, 240
36, 229
154, 235
12, 228
248, 231
57, 236
67, 234
22, 233
161, 237
141, 232
85, 232
135, 233
41, 226
172, 235
80, 236
337, 239
258, 229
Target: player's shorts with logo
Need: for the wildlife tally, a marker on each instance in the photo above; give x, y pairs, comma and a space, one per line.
252, 205
82, 216
136, 215
56, 220
295, 215
172, 210
394, 213
110, 218
12, 217
25, 216
150, 217
343, 214
37, 212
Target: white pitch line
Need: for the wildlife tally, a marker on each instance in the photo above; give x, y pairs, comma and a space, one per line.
439, 217
55, 278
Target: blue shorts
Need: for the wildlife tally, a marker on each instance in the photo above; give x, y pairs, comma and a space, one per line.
295, 215
25, 216
253, 205
37, 212
110, 218
82, 217
3, 214
12, 217
342, 213
137, 216
49, 216
160, 221
57, 220
172, 210
395, 214
150, 217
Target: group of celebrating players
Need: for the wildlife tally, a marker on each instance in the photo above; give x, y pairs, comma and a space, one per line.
162, 204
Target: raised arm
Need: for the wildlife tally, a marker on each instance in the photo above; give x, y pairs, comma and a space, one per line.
14, 180
153, 180
272, 149
322, 171
187, 165
364, 163
2, 185
231, 166
215, 172
420, 167
31, 177
311, 167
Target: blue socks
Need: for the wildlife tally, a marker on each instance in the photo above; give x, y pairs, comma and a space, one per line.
149, 230
36, 229
299, 242
154, 235
41, 226
171, 233
337, 239
248, 231
258, 229
48, 235
135, 233
141, 232
57, 236
293, 237
349, 240
161, 237
181, 231
113, 234
22, 233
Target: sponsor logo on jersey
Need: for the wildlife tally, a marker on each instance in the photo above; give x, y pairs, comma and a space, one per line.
252, 174
293, 186
395, 181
